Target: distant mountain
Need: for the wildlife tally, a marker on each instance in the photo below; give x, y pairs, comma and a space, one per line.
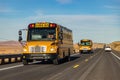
10, 47
76, 47
9, 42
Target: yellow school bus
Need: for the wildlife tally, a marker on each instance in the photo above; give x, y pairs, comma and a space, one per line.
47, 41
86, 46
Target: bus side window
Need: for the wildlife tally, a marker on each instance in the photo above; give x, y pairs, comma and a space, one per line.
61, 37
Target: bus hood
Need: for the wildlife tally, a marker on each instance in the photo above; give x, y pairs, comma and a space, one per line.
40, 47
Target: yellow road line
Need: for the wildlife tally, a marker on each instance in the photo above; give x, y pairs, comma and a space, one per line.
76, 66
91, 56
86, 60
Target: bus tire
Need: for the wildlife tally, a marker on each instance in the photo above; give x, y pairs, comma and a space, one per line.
56, 61
67, 59
25, 62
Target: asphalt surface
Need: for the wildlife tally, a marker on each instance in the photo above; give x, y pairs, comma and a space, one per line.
99, 65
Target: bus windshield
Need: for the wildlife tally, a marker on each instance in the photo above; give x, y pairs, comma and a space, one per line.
36, 34
85, 43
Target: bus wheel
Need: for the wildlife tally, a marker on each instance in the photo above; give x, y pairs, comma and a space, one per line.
68, 57
25, 62
56, 61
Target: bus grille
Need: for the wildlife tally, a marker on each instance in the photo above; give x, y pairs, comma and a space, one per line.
36, 49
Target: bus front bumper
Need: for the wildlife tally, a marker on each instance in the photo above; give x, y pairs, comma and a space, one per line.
85, 51
37, 56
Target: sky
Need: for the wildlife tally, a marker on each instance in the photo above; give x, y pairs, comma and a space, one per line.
98, 20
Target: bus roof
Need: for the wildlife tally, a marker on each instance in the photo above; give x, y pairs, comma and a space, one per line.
47, 25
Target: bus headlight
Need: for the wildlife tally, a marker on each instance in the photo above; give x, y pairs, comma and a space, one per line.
24, 57
24, 50
52, 49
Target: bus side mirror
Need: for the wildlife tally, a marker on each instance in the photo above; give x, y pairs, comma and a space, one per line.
20, 32
20, 36
61, 36
78, 44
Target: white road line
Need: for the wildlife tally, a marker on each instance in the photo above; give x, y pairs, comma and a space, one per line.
10, 67
34, 62
2, 69
115, 55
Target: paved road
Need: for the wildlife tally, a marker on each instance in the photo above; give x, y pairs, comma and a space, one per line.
97, 66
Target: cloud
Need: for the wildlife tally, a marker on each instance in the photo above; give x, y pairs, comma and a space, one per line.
96, 27
64, 1
5, 10
112, 7
39, 12
76, 19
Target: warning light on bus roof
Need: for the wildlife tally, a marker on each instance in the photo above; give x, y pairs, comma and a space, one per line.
31, 26
42, 25
52, 25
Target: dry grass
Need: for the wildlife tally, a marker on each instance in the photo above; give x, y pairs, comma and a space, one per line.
10, 47
115, 45
76, 47
98, 45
